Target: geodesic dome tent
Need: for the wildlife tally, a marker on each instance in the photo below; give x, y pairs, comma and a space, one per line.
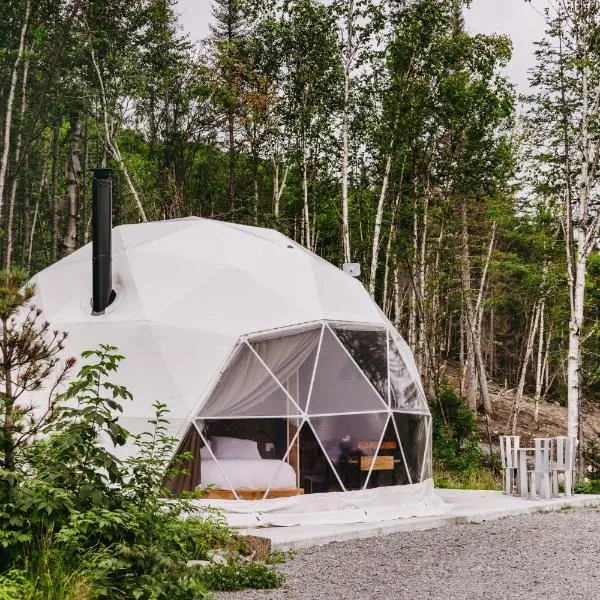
279, 371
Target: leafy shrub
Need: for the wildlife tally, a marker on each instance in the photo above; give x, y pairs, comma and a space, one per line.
455, 435
234, 577
15, 584
591, 486
81, 523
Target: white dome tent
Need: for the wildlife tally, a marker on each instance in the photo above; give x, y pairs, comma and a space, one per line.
278, 368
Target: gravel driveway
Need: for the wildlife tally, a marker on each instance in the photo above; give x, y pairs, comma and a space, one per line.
545, 556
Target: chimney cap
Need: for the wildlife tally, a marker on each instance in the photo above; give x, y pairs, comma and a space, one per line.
102, 173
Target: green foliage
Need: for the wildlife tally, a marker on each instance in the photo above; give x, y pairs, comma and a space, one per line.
477, 479
591, 486
77, 522
15, 584
455, 435
232, 577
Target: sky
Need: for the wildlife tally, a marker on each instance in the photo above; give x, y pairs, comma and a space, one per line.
522, 22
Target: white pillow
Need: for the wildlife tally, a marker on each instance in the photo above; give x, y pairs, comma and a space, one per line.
227, 447
205, 453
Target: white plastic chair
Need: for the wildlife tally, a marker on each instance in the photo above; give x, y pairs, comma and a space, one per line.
509, 445
563, 462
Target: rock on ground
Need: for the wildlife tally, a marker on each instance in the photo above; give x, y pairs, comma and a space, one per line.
549, 556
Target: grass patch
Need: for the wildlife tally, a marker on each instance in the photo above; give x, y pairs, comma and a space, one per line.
479, 479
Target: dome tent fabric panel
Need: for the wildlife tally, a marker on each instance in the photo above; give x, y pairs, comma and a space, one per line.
188, 291
291, 360
339, 385
247, 388
369, 349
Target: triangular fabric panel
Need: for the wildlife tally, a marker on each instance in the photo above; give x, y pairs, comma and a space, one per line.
369, 348
316, 473
291, 359
405, 392
414, 432
339, 385
388, 464
349, 440
287, 474
247, 389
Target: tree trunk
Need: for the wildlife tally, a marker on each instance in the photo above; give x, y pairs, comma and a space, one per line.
307, 236
539, 366
377, 229
111, 143
72, 174
347, 57
278, 188
53, 200
13, 191
575, 328
9, 107
345, 151
516, 407
465, 275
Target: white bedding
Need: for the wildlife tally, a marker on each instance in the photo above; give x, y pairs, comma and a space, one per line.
244, 473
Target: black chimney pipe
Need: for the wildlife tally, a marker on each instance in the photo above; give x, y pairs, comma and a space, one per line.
102, 294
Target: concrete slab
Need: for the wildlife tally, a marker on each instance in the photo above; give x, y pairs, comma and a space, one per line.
467, 506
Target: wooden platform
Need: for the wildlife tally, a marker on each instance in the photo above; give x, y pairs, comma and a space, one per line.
254, 493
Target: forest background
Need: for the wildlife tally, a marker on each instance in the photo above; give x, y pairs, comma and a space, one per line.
373, 131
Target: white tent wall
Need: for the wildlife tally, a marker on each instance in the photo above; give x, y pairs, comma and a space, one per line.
192, 293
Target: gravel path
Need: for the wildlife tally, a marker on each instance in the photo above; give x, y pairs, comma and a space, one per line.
549, 556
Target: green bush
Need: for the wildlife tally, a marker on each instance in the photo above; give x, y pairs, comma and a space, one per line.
78, 523
587, 487
455, 433
232, 577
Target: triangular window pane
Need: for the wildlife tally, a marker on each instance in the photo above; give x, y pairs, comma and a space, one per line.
291, 359
339, 385
414, 432
286, 475
247, 389
388, 464
369, 350
316, 474
405, 393
349, 441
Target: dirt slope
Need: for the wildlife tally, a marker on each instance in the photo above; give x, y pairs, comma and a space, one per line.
553, 418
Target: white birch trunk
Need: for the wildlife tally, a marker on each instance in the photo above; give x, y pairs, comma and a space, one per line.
9, 106
377, 229
13, 191
345, 151
305, 210
575, 327
470, 370
111, 143
72, 173
347, 60
278, 188
539, 374
516, 407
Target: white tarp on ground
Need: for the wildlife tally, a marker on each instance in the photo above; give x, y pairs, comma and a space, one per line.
362, 506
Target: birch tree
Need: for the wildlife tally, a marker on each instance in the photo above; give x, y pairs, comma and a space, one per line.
10, 105
563, 127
